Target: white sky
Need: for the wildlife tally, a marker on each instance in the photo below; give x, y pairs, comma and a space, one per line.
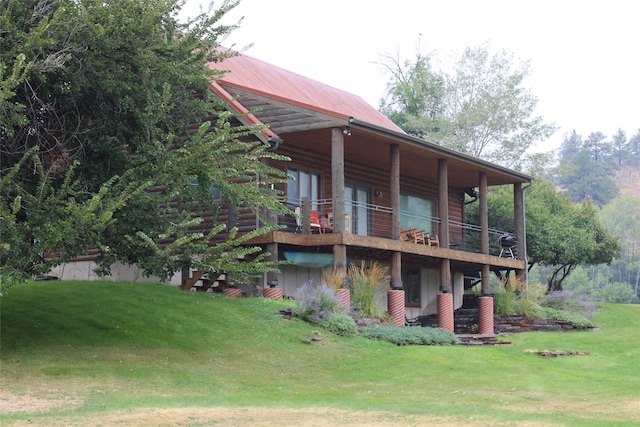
585, 54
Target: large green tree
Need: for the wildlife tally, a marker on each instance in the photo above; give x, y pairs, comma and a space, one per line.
560, 233
101, 100
479, 107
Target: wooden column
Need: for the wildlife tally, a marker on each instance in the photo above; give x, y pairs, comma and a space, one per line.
443, 207
394, 192
337, 195
519, 227
484, 231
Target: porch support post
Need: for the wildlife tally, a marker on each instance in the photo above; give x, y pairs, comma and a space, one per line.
337, 196
394, 191
519, 227
484, 231
445, 299
443, 207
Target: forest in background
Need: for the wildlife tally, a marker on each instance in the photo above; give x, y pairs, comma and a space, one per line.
606, 171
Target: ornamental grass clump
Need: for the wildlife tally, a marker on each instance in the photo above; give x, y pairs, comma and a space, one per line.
334, 277
364, 282
315, 302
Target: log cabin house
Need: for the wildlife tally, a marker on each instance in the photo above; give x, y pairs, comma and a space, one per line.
364, 190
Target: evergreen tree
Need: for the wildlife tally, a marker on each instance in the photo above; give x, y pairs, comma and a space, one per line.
620, 146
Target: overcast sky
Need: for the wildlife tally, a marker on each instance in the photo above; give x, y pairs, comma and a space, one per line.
585, 55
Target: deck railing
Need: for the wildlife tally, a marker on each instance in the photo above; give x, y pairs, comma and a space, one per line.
372, 220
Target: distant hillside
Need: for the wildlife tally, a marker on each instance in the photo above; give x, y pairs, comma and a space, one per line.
628, 178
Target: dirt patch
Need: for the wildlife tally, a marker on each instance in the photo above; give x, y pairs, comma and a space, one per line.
10, 403
255, 417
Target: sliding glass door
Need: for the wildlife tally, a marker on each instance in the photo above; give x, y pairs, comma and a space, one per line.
356, 201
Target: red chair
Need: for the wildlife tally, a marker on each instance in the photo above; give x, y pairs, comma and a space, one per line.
317, 224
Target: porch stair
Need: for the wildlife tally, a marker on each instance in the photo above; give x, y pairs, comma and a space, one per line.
191, 283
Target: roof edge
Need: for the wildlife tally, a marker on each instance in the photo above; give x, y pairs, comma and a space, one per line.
523, 177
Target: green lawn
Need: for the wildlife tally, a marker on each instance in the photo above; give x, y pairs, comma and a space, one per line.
89, 353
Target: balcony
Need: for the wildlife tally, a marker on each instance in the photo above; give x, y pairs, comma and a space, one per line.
372, 222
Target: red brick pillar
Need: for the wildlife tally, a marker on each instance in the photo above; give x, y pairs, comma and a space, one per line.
395, 304
485, 315
272, 293
445, 312
344, 299
232, 292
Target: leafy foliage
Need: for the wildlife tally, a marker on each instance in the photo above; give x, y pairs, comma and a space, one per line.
622, 218
404, 335
560, 234
618, 293
340, 323
54, 219
569, 302
480, 107
576, 319
102, 99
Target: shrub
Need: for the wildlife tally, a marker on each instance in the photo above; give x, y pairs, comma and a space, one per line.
618, 293
364, 282
505, 302
576, 319
409, 335
570, 302
315, 302
340, 323
535, 292
526, 307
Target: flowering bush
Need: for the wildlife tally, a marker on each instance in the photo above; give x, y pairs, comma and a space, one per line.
315, 302
570, 302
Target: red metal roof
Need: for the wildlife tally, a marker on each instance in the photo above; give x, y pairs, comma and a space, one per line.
259, 77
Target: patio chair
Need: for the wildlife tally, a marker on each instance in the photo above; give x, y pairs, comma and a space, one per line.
413, 235
322, 226
432, 239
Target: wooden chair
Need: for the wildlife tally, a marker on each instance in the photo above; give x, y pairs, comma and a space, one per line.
413, 235
403, 235
432, 239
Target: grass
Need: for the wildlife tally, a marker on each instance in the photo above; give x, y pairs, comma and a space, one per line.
90, 353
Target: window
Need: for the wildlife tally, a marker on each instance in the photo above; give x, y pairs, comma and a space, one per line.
198, 188
416, 212
303, 184
411, 286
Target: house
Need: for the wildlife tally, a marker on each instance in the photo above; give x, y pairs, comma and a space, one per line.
373, 193
375, 187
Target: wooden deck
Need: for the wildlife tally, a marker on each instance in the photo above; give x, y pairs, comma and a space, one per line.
386, 245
